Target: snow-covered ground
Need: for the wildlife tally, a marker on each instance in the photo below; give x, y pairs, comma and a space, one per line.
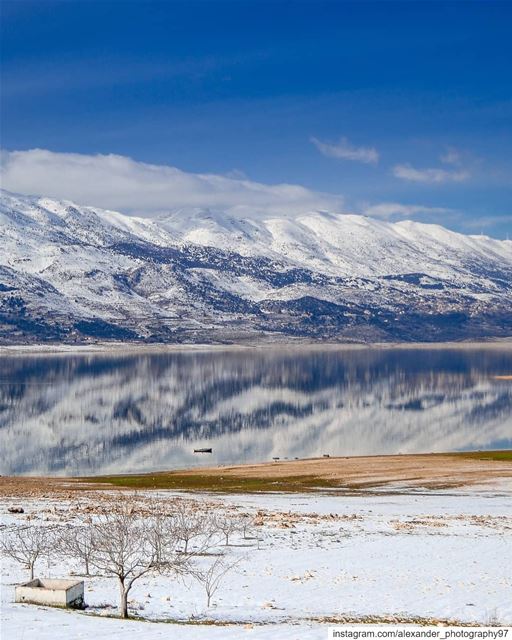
441, 555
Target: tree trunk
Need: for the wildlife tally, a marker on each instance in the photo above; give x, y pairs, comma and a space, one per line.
123, 600
87, 567
32, 570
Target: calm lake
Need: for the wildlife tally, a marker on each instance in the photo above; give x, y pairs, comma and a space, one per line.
90, 414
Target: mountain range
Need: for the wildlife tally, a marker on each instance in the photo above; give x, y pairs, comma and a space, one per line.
71, 273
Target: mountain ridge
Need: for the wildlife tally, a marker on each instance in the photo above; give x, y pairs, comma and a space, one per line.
70, 273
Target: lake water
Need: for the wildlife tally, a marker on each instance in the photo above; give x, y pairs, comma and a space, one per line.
83, 414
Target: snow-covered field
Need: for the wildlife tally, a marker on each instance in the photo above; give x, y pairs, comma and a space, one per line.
441, 555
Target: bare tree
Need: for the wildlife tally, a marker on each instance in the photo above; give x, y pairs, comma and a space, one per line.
226, 526
78, 542
166, 536
171, 531
212, 576
188, 524
27, 544
126, 545
246, 522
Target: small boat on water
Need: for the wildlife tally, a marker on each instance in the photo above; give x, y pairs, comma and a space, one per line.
206, 450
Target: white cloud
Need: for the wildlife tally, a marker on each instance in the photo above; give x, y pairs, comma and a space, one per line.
398, 210
451, 156
343, 149
120, 183
488, 221
430, 176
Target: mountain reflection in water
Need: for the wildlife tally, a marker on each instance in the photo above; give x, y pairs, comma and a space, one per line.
77, 414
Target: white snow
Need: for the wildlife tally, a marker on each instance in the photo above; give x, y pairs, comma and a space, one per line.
68, 247
442, 554
339, 244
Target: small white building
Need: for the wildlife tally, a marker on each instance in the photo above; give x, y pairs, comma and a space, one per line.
53, 593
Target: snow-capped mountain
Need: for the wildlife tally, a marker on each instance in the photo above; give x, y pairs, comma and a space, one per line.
71, 273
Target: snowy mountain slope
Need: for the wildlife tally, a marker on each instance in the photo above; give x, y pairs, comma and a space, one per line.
73, 273
346, 245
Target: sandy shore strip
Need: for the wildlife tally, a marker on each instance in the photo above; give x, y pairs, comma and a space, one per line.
365, 473
362, 471
100, 348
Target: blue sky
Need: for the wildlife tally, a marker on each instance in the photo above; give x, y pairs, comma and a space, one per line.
402, 109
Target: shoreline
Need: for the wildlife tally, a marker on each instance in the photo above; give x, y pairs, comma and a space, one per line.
102, 348
367, 474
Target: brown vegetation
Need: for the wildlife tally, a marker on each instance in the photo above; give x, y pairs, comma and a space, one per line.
431, 471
